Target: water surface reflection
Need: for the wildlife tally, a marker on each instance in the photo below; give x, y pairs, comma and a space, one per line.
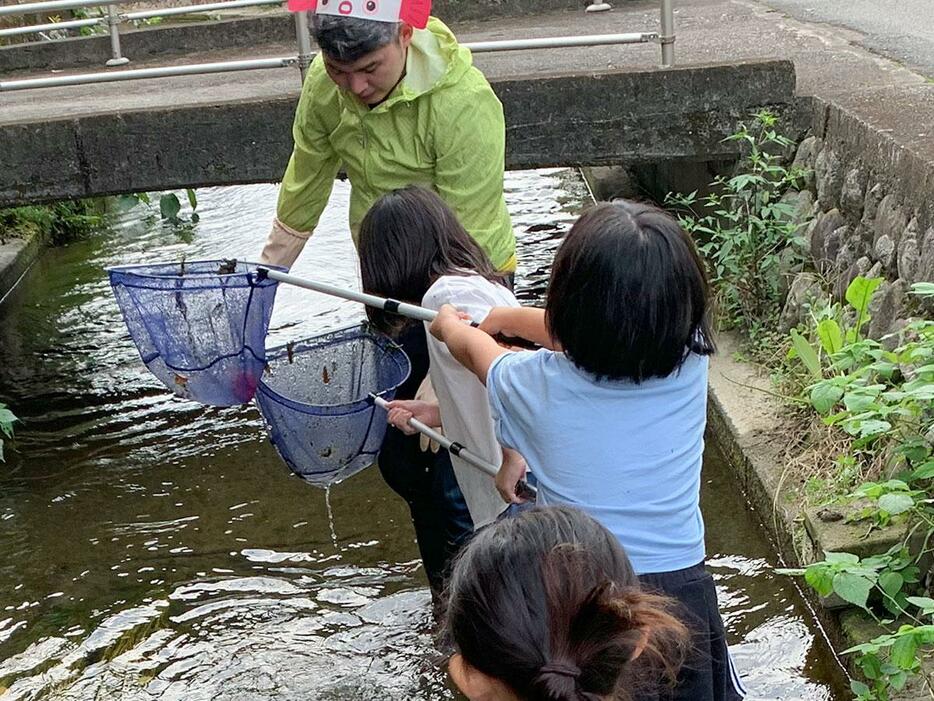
157, 549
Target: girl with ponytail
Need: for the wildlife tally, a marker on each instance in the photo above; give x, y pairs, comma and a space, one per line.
546, 607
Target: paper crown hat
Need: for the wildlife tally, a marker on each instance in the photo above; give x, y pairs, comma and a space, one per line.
414, 12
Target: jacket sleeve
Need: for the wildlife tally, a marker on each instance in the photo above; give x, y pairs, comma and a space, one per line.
470, 150
309, 177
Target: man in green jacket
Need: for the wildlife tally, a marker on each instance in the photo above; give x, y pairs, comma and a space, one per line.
396, 106
394, 99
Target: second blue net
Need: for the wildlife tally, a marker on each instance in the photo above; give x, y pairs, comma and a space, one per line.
315, 398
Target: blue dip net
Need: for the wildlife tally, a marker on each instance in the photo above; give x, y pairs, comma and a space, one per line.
199, 326
315, 400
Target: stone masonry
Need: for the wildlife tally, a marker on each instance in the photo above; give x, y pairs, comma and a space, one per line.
866, 210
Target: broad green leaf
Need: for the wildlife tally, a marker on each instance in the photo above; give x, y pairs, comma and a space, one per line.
807, 354
922, 602
819, 579
897, 681
841, 558
872, 427
7, 416
896, 503
831, 337
824, 397
891, 582
903, 652
192, 198
859, 400
871, 666
925, 289
860, 291
896, 485
859, 689
926, 471
169, 207
920, 390
852, 588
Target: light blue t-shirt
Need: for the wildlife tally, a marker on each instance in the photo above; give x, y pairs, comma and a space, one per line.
628, 454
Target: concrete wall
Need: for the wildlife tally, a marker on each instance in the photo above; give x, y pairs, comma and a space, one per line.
551, 121
246, 33
873, 214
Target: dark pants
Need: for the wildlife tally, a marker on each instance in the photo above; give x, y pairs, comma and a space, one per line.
425, 480
708, 674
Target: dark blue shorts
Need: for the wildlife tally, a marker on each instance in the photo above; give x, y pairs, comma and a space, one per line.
709, 674
424, 479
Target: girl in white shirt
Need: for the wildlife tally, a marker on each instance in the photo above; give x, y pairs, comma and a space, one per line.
413, 249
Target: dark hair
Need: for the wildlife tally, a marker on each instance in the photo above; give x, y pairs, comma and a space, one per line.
349, 39
628, 295
409, 239
548, 604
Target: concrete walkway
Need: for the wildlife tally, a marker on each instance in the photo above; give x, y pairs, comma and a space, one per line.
899, 29
830, 63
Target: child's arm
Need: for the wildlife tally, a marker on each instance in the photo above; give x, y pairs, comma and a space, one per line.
521, 322
401, 410
471, 347
510, 472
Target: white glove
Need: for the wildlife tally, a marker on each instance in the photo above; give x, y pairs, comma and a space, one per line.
426, 393
283, 245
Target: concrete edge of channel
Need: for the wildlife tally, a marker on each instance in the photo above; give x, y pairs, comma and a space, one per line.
16, 257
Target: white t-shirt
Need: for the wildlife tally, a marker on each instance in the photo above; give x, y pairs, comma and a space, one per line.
465, 408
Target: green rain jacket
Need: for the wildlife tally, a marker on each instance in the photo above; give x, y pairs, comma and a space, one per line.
441, 127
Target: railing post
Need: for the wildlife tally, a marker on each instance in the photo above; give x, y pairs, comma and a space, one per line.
667, 38
598, 6
113, 20
303, 37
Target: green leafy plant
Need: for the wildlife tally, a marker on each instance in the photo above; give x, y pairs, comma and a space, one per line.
91, 30
888, 660
7, 419
60, 222
854, 579
883, 401
747, 226
170, 206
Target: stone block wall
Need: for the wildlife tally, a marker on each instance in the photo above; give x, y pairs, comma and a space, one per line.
869, 204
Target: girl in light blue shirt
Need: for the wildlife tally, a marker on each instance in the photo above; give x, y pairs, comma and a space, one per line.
610, 414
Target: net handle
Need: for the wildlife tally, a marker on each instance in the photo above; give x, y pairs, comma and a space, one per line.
523, 488
412, 311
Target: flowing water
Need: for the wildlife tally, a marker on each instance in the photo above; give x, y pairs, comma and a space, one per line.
152, 548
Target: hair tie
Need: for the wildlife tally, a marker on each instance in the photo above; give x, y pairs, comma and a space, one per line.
562, 670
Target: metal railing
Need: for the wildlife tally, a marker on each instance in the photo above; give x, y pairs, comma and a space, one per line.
112, 19
303, 59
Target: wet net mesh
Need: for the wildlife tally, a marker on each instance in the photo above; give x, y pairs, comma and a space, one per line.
315, 399
199, 326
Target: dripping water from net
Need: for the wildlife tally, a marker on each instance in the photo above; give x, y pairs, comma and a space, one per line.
327, 504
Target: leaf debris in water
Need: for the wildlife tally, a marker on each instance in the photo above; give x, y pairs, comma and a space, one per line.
227, 267
324, 375
181, 380
290, 351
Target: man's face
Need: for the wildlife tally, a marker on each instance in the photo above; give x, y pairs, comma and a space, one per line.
373, 76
